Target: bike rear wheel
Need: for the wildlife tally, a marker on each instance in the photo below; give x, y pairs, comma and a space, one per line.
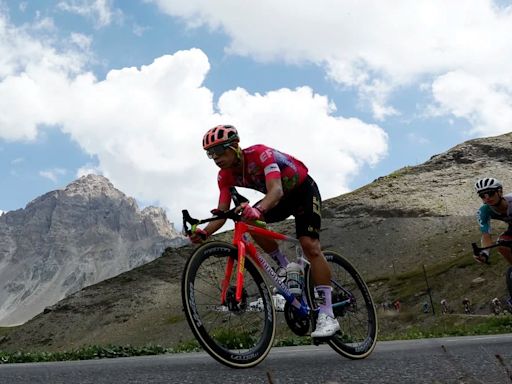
238, 335
353, 307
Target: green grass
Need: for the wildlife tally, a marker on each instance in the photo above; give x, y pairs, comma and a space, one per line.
95, 352
432, 327
452, 325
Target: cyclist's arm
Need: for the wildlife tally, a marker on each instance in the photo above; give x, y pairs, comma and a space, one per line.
484, 222
274, 194
214, 226
486, 240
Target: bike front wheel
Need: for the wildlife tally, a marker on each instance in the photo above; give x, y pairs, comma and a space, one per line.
353, 307
237, 334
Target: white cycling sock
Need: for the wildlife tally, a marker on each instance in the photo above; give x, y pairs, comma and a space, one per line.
325, 305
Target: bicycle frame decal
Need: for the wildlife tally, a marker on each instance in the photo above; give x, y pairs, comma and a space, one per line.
283, 288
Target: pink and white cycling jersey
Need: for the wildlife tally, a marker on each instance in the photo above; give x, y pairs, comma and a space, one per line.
262, 163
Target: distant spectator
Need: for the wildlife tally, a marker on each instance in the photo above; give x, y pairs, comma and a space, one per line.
467, 305
444, 306
396, 305
496, 306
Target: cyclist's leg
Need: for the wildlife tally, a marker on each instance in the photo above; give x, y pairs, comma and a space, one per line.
320, 270
308, 221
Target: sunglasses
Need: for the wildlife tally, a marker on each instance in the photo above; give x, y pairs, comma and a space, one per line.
217, 150
488, 193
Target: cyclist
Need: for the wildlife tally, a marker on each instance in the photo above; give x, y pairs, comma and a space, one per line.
496, 306
288, 189
496, 206
444, 306
466, 304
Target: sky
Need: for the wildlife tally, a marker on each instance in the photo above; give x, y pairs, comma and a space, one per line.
356, 89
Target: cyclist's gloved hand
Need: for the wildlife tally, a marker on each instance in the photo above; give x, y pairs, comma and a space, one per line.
482, 257
198, 236
251, 213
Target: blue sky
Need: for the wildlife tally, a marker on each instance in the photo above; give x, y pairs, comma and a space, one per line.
355, 89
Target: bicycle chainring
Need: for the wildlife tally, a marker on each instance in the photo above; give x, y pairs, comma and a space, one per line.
298, 324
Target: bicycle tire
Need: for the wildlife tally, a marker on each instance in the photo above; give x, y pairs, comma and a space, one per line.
239, 337
358, 321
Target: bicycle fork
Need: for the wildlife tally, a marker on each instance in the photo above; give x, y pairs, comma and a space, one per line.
239, 274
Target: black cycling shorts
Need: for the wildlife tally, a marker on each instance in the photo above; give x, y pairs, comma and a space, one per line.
305, 204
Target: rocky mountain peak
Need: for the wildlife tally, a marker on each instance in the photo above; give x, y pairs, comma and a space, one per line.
93, 185
71, 238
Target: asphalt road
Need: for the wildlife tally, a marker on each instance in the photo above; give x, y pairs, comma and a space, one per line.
478, 359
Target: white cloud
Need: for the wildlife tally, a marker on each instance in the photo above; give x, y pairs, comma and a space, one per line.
374, 46
303, 124
487, 106
52, 174
81, 41
100, 11
145, 125
28, 67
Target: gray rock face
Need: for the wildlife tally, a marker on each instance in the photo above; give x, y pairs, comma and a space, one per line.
440, 187
71, 238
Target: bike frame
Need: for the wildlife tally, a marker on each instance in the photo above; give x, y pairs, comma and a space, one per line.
247, 248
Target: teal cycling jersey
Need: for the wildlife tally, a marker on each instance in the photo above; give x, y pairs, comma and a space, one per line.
486, 213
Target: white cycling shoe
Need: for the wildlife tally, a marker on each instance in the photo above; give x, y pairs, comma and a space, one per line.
326, 326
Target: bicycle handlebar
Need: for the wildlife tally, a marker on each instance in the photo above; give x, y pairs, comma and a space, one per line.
499, 243
232, 214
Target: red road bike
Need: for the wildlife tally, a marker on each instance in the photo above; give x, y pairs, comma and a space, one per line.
230, 309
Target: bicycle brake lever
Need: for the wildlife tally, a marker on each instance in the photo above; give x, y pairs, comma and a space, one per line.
187, 219
476, 252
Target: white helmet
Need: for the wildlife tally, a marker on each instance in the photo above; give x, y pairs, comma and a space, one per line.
486, 184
